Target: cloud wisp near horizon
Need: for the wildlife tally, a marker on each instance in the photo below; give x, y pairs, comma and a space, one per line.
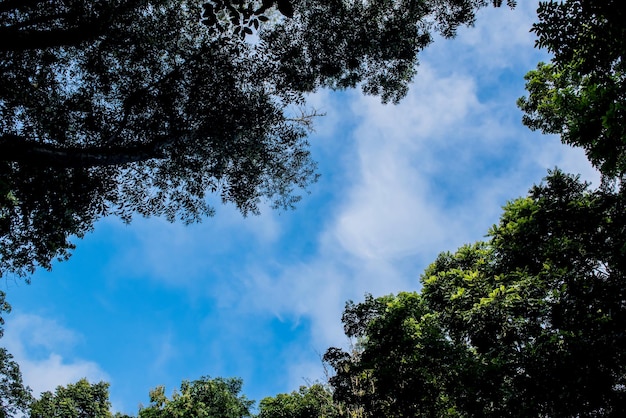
261, 297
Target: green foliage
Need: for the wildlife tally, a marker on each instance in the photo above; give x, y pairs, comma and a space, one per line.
79, 400
529, 323
4, 307
397, 369
580, 95
145, 107
203, 398
308, 402
14, 396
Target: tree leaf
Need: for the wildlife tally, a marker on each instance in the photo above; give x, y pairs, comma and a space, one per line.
285, 7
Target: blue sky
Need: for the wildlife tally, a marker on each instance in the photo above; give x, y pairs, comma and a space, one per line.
261, 298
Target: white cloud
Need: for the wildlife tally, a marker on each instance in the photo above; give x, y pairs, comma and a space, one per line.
42, 348
389, 205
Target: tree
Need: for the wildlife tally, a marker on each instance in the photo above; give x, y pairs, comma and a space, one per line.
203, 398
580, 94
4, 307
14, 396
401, 366
79, 400
308, 402
130, 107
528, 323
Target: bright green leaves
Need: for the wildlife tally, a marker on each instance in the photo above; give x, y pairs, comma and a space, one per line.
395, 370
580, 95
315, 401
586, 111
79, 400
202, 398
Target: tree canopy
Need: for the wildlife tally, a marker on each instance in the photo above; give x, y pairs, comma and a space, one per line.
314, 401
580, 94
151, 107
202, 398
76, 400
14, 396
528, 323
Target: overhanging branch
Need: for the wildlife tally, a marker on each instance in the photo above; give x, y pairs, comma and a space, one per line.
74, 31
14, 148
25, 39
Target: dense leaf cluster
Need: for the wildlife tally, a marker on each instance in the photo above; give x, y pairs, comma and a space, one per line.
14, 396
580, 94
148, 117
78, 400
140, 106
241, 16
308, 402
202, 398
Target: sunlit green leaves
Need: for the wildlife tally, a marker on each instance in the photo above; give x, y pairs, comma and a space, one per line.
76, 400
580, 95
202, 398
308, 402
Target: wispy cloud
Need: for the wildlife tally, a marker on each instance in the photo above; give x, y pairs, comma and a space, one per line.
43, 349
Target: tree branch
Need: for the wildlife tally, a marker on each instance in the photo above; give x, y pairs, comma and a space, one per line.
15, 148
26, 39
75, 30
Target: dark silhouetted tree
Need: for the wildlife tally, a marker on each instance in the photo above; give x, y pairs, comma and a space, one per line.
151, 107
